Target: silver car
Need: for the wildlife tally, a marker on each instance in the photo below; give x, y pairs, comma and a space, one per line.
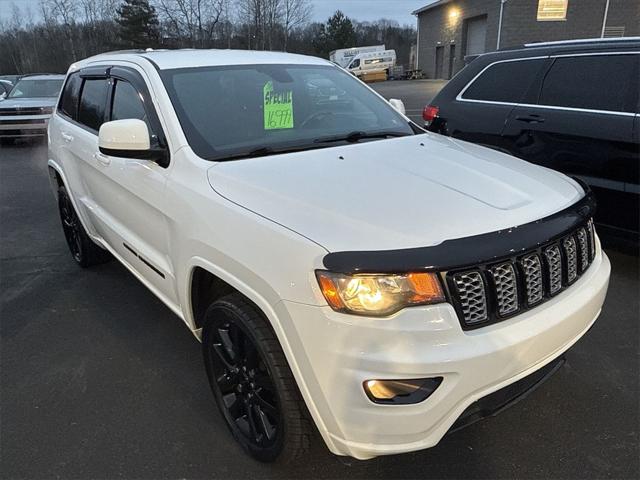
27, 109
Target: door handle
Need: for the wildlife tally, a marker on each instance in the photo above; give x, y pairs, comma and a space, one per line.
103, 159
66, 137
530, 118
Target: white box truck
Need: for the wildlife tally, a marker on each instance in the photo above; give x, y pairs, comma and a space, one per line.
344, 56
372, 62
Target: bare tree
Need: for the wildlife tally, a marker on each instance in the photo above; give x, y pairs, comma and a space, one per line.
295, 13
64, 12
194, 19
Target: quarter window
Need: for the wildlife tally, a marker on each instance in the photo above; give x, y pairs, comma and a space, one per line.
600, 82
504, 82
552, 10
93, 102
70, 96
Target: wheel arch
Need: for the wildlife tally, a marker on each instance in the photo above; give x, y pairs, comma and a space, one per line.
58, 179
201, 270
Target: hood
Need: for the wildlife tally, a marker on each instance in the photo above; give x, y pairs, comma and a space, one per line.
401, 193
28, 102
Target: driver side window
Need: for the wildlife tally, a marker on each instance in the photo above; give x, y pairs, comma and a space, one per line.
127, 104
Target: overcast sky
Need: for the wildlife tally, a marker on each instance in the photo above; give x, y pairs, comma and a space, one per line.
399, 10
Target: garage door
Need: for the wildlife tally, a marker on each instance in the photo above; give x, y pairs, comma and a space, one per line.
476, 35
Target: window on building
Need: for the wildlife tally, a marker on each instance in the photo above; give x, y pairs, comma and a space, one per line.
599, 82
552, 10
504, 82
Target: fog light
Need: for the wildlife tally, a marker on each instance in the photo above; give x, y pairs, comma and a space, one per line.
401, 392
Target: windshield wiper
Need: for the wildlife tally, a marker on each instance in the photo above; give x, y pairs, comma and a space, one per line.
266, 151
356, 136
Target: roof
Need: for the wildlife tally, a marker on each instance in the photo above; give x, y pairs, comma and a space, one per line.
435, 4
582, 40
586, 46
188, 58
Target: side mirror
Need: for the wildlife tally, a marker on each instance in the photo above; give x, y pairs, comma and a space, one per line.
3, 95
129, 139
398, 105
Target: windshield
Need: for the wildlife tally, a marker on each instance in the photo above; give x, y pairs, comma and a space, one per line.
242, 111
36, 89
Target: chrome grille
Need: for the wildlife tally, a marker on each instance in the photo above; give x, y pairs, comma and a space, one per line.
473, 297
22, 111
504, 276
583, 248
554, 268
592, 240
569, 245
488, 293
532, 268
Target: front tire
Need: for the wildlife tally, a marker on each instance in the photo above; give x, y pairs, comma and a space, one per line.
252, 383
83, 250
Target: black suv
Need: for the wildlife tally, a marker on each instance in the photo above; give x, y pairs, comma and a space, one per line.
570, 106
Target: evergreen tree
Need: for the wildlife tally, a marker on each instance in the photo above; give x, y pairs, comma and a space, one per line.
138, 21
340, 31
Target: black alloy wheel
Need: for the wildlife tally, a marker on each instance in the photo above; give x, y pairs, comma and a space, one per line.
84, 251
245, 384
252, 383
70, 225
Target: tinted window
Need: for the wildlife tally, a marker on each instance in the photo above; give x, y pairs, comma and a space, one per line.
236, 110
504, 82
70, 96
92, 103
602, 82
127, 103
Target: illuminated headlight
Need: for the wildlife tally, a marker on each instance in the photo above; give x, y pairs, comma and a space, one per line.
379, 295
46, 110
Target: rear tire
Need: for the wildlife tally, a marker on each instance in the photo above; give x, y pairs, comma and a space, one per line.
83, 250
252, 383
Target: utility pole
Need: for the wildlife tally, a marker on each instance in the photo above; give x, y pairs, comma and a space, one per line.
502, 2
604, 19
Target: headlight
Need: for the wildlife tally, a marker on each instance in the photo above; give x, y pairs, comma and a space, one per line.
46, 110
378, 295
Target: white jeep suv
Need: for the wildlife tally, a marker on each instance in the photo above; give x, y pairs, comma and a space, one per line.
342, 267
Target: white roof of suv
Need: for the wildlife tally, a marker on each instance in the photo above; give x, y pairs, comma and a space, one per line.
169, 59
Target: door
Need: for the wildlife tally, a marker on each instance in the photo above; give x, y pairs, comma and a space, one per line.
476, 34
452, 60
582, 125
126, 196
481, 109
439, 61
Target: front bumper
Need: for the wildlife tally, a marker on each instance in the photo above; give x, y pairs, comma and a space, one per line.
336, 353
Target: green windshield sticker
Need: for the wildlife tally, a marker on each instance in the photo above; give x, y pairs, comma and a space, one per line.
278, 108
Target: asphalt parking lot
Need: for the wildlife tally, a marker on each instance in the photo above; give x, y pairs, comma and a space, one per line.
415, 94
100, 380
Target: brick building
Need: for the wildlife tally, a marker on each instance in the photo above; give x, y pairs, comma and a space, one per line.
448, 30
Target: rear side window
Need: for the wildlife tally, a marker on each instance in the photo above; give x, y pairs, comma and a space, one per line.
70, 96
127, 103
599, 82
93, 102
504, 82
